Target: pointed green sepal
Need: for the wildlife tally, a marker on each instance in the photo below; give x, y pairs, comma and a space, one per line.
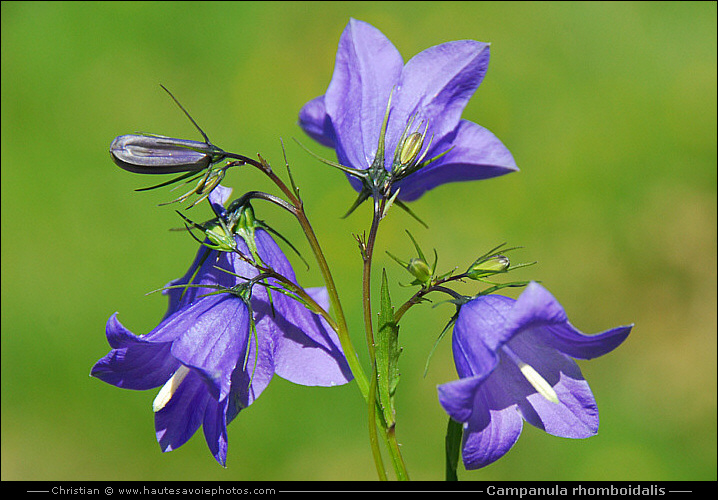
417, 266
406, 209
439, 338
355, 172
220, 238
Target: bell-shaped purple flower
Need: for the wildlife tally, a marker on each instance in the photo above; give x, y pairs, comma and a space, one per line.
204, 355
513, 358
428, 95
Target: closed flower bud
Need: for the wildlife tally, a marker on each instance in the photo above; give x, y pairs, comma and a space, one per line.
219, 239
420, 269
492, 265
155, 154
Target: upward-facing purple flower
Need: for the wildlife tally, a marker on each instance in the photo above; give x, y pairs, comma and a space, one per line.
207, 359
514, 362
428, 95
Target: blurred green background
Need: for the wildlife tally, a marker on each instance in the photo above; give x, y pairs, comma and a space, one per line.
608, 108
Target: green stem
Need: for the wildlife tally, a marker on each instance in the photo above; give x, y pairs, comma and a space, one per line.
398, 460
416, 298
341, 323
375, 418
373, 435
342, 330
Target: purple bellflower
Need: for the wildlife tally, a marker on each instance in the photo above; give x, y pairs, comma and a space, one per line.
427, 142
206, 357
514, 363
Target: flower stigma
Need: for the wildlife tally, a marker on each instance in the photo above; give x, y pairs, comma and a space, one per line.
533, 377
170, 387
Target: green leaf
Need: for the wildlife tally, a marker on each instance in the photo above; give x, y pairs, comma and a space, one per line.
453, 444
387, 354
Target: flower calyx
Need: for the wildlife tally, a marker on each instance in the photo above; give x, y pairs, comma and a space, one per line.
493, 262
424, 274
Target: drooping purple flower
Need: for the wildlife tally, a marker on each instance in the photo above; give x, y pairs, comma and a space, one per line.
205, 356
513, 358
428, 95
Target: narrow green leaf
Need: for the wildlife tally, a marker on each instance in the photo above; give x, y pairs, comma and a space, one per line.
387, 353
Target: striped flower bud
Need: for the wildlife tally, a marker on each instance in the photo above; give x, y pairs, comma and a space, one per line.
156, 154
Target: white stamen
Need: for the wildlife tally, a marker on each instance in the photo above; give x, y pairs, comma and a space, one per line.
538, 382
168, 390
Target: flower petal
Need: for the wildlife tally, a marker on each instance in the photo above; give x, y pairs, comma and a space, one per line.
214, 339
214, 426
134, 362
457, 397
490, 433
537, 307
575, 417
320, 296
218, 197
576, 413
180, 418
367, 67
474, 154
315, 121
437, 84
251, 378
305, 350
478, 332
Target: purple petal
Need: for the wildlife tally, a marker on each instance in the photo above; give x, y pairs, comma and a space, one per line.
475, 154
478, 332
215, 333
320, 296
252, 377
574, 416
490, 433
307, 351
315, 121
135, 362
536, 307
572, 342
180, 418
215, 429
200, 272
208, 269
436, 84
367, 67
457, 397
218, 197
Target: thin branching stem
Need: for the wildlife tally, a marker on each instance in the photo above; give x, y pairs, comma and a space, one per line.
341, 323
367, 250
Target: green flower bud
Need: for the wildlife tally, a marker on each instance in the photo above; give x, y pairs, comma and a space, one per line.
419, 269
493, 265
220, 239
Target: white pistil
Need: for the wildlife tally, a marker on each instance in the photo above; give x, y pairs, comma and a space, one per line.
538, 382
168, 390
534, 378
